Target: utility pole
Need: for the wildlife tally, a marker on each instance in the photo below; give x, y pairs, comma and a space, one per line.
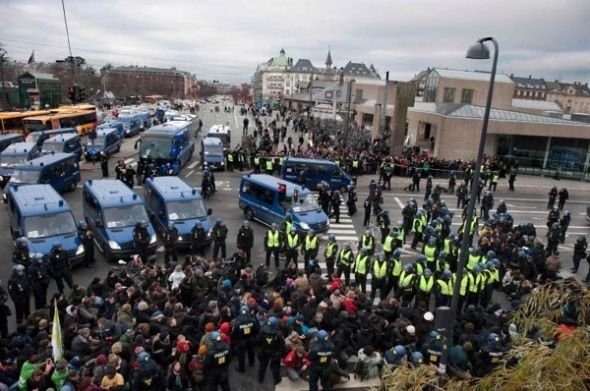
347, 112
382, 120
4, 92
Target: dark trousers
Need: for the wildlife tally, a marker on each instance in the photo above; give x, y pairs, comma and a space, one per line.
381, 284
219, 245
322, 374
384, 233
89, 255
417, 238
40, 295
346, 270
272, 251
309, 254
217, 378
367, 218
291, 255
198, 249
577, 259
442, 300
170, 252
275, 367
330, 266
361, 281
3, 326
22, 308
62, 275
242, 348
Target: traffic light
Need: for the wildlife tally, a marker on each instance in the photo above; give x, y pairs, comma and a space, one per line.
72, 93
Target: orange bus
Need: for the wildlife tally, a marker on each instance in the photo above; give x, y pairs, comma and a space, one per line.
12, 122
83, 121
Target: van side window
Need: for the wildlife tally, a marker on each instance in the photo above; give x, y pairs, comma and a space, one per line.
267, 196
89, 200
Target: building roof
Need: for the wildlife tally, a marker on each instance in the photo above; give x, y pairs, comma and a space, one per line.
529, 82
281, 61
303, 65
358, 69
336, 91
144, 69
40, 75
456, 110
535, 105
470, 75
576, 88
328, 59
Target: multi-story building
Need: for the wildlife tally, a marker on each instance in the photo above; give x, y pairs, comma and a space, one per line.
572, 97
529, 88
134, 80
448, 121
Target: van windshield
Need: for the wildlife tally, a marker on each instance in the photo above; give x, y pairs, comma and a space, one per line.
49, 225
124, 216
53, 147
306, 204
182, 210
8, 160
155, 147
25, 176
99, 141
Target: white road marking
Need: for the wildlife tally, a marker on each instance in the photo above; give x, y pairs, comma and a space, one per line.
193, 165
189, 173
342, 238
340, 231
399, 203
341, 225
129, 161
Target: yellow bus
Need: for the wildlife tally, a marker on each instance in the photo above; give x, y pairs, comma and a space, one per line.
12, 122
80, 107
83, 121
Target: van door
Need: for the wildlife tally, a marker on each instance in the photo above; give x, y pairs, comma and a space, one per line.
336, 178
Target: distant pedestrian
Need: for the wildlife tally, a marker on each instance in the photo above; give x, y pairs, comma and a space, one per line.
104, 164
563, 197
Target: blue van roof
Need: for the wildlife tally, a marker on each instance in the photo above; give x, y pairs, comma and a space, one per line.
273, 182
12, 136
172, 188
112, 192
61, 138
54, 131
105, 131
308, 161
171, 128
34, 200
109, 124
19, 148
212, 141
44, 160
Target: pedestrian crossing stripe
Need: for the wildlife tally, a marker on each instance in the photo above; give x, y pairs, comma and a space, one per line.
341, 238
129, 161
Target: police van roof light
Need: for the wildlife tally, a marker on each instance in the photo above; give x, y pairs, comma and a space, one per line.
61, 203
134, 196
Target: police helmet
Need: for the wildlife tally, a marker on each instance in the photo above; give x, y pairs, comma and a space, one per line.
246, 223
21, 241
502, 202
56, 245
567, 213
397, 253
427, 272
294, 229
491, 254
244, 310
367, 232
400, 351
447, 219
83, 225
273, 322
218, 221
171, 225
581, 238
364, 250
434, 223
493, 338
215, 336
447, 273
417, 358
476, 251
347, 246
392, 233
381, 255
273, 226
311, 231
477, 268
434, 334
143, 357
385, 211
432, 241
323, 335
421, 258
19, 268
408, 267
555, 226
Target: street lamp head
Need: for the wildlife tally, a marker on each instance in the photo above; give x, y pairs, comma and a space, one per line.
478, 51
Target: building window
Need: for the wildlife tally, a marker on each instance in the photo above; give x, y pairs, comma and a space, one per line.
431, 87
517, 92
358, 95
467, 96
449, 95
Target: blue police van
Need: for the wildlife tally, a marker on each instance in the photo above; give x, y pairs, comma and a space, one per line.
112, 210
168, 146
145, 119
268, 199
8, 139
67, 143
212, 155
310, 172
60, 170
118, 125
131, 123
43, 217
171, 200
39, 136
107, 140
12, 156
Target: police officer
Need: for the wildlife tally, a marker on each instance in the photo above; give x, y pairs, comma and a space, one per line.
311, 246
148, 376
216, 363
367, 242
39, 278
141, 239
59, 266
19, 290
198, 239
244, 333
272, 244
170, 237
379, 281
344, 263
104, 164
129, 177
271, 346
336, 205
408, 214
292, 243
564, 224
287, 224
395, 270
21, 254
383, 223
320, 356
579, 252
418, 228
406, 284
367, 206
120, 170
245, 240
424, 286
432, 348
87, 238
330, 254
443, 290
219, 235
362, 263
553, 239
490, 355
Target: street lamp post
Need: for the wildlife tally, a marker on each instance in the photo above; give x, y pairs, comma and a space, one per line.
347, 112
478, 51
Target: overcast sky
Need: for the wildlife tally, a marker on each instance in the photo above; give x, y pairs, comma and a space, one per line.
226, 39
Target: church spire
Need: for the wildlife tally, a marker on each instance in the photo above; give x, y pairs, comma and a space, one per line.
329, 59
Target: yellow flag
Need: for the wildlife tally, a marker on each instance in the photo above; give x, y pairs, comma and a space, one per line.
56, 341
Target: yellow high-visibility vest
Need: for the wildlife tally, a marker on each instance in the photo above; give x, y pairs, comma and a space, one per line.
361, 264
272, 239
445, 287
311, 244
430, 252
292, 240
345, 257
388, 244
269, 165
426, 284
330, 250
367, 242
379, 269
396, 270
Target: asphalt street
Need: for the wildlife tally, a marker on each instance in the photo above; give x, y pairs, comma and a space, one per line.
527, 204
